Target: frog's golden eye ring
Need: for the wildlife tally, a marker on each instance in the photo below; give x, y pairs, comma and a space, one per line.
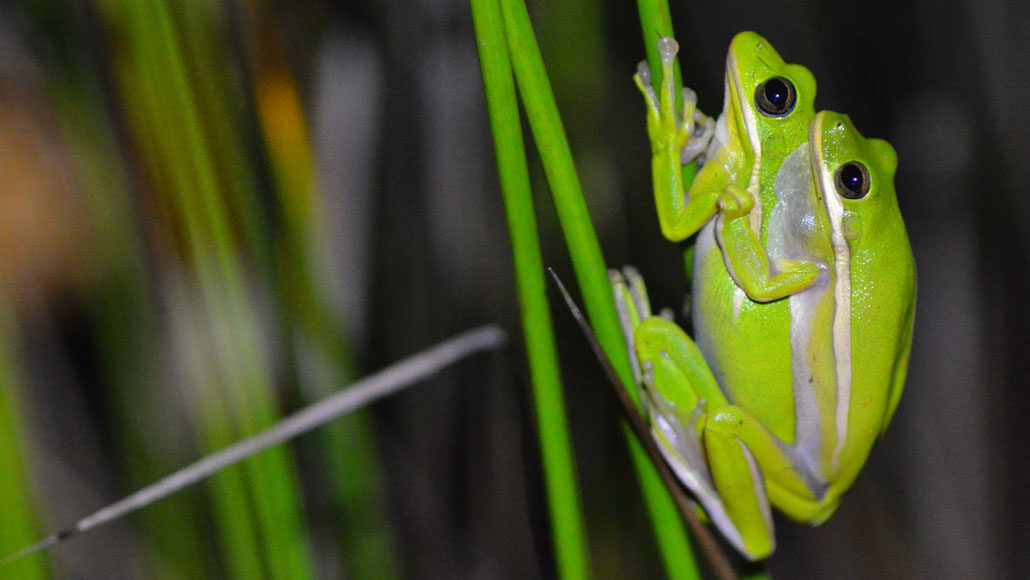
852, 180
776, 97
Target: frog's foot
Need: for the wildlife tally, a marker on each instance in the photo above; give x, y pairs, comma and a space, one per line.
666, 131
632, 305
702, 129
630, 295
684, 451
734, 203
678, 415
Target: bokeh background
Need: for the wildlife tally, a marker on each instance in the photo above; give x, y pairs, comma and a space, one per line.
212, 212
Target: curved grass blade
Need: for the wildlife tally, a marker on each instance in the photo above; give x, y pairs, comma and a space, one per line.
381, 384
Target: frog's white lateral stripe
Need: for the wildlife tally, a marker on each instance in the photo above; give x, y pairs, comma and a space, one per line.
842, 290
755, 215
758, 481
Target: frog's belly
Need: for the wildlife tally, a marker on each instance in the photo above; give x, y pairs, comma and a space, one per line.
748, 345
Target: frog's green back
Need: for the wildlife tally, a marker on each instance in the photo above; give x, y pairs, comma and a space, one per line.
823, 368
882, 282
753, 361
774, 359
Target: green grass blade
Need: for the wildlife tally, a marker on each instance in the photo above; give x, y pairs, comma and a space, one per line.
197, 198
348, 444
589, 265
288, 250
123, 323
157, 135
549, 134
567, 526
16, 503
656, 23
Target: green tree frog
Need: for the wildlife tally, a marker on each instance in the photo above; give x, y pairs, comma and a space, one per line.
767, 110
780, 403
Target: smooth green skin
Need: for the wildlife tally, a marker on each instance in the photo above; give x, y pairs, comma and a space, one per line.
745, 154
759, 411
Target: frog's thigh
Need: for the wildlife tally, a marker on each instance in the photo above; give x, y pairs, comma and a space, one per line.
680, 371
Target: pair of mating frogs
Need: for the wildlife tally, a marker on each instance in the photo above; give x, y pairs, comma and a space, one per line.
802, 302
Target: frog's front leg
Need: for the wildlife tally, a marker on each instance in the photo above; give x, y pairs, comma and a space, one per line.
673, 142
746, 258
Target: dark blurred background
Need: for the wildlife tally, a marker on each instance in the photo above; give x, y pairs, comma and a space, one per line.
213, 212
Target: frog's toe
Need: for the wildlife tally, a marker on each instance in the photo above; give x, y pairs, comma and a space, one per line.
805, 271
696, 147
647, 373
644, 72
629, 313
637, 292
624, 303
689, 100
643, 81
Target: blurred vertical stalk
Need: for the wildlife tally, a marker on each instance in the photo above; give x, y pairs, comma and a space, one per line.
567, 526
324, 360
124, 324
18, 528
258, 511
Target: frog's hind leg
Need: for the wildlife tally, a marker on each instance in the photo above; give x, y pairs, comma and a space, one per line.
751, 467
679, 389
679, 394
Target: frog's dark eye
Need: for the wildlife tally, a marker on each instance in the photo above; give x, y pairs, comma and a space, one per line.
775, 97
852, 180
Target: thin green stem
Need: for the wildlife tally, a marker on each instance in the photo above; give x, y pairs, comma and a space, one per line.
591, 272
566, 192
348, 446
656, 23
199, 199
151, 108
567, 526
